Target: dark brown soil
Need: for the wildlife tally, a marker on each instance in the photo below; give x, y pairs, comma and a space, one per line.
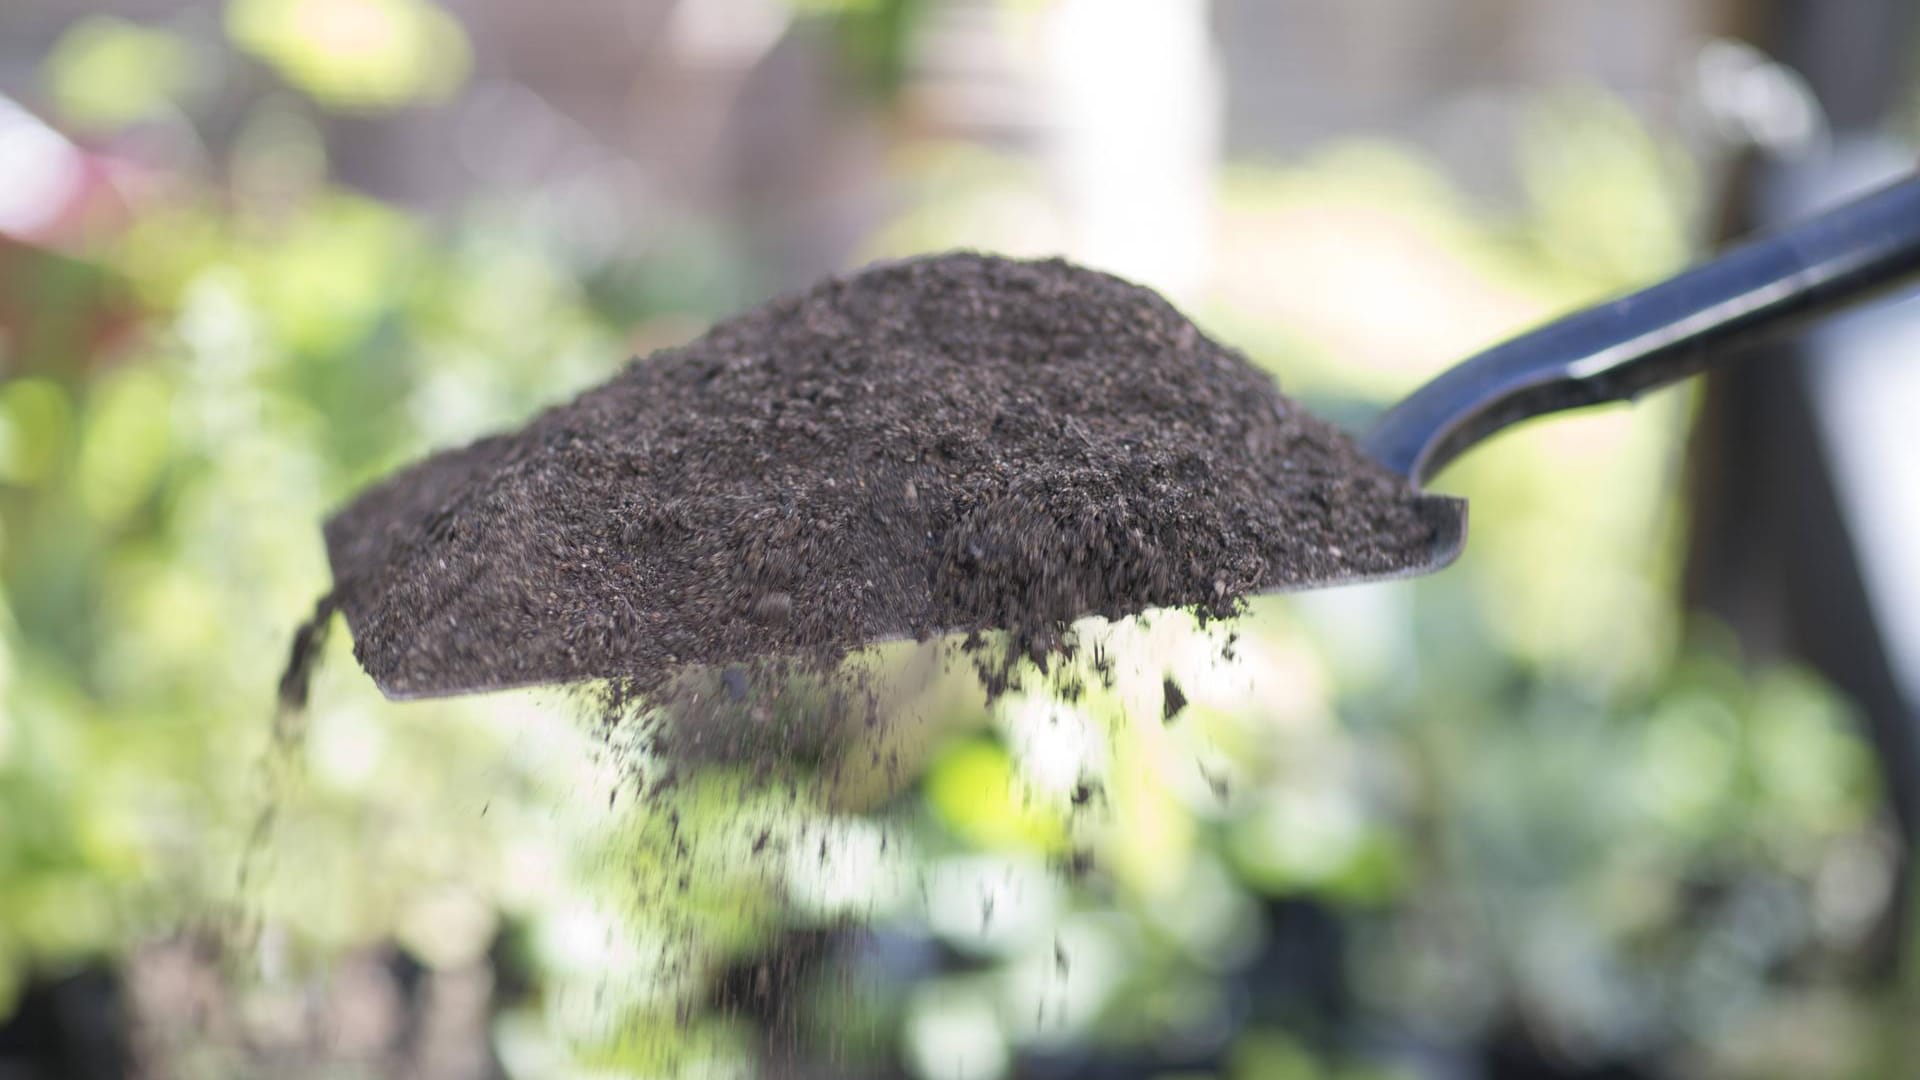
1173, 700
959, 442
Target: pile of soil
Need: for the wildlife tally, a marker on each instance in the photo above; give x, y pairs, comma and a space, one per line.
953, 443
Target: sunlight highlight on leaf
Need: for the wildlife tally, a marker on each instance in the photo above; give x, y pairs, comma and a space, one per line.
356, 54
106, 72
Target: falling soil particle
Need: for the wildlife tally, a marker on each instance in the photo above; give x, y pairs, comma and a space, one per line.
1172, 700
308, 642
953, 443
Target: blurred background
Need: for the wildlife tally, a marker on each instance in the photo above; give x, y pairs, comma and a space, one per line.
1630, 792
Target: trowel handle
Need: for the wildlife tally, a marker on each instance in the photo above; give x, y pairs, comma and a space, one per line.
1662, 334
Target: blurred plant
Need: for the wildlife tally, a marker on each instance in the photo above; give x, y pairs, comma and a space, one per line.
1536, 801
158, 513
365, 54
874, 37
106, 73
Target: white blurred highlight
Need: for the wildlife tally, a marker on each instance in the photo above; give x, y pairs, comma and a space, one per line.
1138, 100
40, 173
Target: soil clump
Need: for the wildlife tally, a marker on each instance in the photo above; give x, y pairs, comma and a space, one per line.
952, 443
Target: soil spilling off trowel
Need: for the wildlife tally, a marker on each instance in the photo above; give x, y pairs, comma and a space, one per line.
953, 443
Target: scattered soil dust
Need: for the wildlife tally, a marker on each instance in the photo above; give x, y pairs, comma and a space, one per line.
958, 444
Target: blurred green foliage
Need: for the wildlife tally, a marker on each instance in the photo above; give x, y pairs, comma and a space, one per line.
356, 53
108, 72
1531, 791
873, 37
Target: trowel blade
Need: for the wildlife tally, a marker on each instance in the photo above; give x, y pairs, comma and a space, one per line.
1447, 517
